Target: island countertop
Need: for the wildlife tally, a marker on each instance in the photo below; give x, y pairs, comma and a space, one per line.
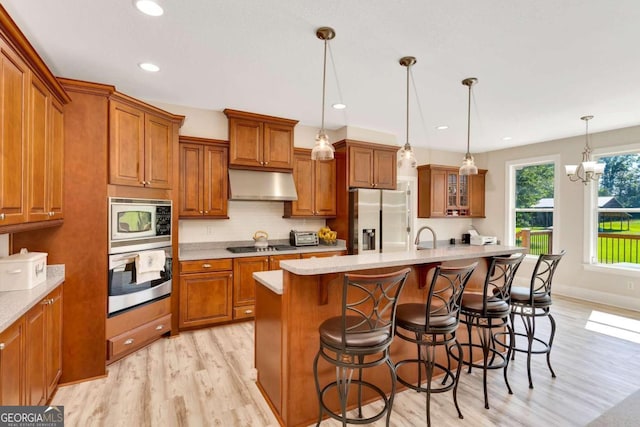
313, 266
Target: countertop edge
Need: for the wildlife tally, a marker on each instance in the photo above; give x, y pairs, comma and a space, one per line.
14, 304
309, 267
272, 280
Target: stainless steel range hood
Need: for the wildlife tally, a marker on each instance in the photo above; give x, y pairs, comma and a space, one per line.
257, 185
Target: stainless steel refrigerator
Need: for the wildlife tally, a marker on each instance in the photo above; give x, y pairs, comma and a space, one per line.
379, 221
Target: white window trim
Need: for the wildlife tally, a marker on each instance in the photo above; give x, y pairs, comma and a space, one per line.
590, 256
510, 180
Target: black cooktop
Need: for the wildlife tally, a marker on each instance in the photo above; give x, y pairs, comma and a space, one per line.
270, 248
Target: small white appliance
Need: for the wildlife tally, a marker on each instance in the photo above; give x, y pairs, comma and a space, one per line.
483, 240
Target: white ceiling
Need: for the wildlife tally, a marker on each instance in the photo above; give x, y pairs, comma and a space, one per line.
541, 64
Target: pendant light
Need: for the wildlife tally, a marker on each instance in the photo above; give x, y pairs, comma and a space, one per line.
468, 165
323, 150
406, 155
588, 170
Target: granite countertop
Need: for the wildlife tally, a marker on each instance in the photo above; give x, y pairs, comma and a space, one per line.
216, 250
271, 279
313, 266
14, 304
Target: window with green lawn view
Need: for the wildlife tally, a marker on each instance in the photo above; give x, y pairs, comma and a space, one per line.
616, 232
533, 207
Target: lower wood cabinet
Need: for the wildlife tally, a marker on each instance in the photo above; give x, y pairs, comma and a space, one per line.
206, 292
31, 354
135, 329
244, 286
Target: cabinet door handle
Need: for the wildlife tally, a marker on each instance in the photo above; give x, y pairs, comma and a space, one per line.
206, 265
200, 211
266, 163
206, 212
46, 302
262, 163
129, 341
1, 346
159, 327
1, 216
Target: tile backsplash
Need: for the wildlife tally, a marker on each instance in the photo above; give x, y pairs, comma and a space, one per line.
245, 218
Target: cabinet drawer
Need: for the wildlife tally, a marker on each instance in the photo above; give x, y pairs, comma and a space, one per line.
136, 338
206, 265
244, 312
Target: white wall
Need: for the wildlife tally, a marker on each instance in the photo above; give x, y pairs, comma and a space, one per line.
573, 277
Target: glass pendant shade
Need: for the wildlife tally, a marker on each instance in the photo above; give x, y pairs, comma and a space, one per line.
406, 158
468, 166
322, 150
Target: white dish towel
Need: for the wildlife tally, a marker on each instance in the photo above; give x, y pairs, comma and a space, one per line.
149, 264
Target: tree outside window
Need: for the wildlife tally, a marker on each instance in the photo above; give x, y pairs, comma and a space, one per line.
534, 207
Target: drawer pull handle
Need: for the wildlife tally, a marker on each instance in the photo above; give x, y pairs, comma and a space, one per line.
206, 265
129, 341
17, 271
159, 327
248, 311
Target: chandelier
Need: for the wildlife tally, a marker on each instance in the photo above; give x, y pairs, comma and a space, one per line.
588, 170
323, 150
405, 154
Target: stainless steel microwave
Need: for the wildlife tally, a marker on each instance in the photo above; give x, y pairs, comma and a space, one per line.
138, 224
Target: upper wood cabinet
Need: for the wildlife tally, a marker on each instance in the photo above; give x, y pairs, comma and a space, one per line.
203, 178
14, 84
370, 165
45, 154
316, 187
442, 193
31, 135
257, 141
140, 145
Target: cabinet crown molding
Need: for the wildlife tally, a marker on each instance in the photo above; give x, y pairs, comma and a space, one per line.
260, 117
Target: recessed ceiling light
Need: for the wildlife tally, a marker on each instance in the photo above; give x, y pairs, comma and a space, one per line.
147, 66
442, 127
149, 7
339, 106
507, 138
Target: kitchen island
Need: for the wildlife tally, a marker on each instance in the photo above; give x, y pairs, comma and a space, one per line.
291, 304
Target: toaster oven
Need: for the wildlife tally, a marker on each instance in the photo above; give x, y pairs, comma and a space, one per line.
303, 238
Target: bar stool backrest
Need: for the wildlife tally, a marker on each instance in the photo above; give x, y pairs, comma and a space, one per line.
543, 275
500, 275
369, 306
445, 292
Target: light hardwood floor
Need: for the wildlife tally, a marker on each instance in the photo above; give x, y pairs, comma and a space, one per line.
206, 378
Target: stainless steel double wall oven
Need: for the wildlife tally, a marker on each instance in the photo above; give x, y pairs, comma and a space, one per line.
137, 226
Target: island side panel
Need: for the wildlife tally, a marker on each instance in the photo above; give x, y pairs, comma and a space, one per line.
268, 357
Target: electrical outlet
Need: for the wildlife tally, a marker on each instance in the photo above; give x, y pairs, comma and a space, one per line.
630, 285
209, 230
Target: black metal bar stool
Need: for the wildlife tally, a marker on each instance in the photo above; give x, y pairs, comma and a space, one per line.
431, 325
487, 311
360, 338
532, 302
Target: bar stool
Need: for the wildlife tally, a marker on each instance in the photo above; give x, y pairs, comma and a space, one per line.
432, 325
364, 329
489, 310
532, 302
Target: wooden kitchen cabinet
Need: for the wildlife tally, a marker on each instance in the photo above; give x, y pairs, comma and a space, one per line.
206, 292
274, 260
12, 363
45, 154
260, 142
316, 187
140, 145
31, 135
203, 178
442, 193
31, 354
14, 83
369, 165
244, 293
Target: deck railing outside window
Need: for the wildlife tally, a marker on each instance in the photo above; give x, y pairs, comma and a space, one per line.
538, 241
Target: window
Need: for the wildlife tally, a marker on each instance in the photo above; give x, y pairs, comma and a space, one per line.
532, 205
615, 239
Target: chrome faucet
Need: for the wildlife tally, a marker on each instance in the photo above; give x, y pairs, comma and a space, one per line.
417, 242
